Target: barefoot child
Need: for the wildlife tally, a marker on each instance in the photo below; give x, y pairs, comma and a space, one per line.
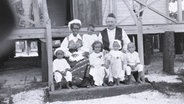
117, 63
96, 60
133, 64
61, 69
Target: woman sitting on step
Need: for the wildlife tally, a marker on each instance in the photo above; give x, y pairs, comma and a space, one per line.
71, 45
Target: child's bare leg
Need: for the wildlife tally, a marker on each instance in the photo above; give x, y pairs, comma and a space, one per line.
117, 81
140, 78
60, 85
129, 81
68, 85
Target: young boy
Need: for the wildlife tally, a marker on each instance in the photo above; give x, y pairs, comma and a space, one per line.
134, 66
89, 39
61, 69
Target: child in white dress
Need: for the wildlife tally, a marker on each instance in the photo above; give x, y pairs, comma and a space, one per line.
117, 63
134, 66
61, 69
97, 67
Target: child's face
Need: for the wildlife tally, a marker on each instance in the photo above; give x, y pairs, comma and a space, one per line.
116, 46
97, 48
131, 48
59, 54
91, 30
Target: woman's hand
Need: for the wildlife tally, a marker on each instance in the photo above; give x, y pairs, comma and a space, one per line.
72, 45
85, 54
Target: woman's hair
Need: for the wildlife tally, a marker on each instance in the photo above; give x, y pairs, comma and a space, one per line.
97, 42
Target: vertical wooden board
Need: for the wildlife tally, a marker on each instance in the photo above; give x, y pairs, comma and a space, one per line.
36, 14
168, 52
179, 10
149, 16
123, 14
88, 11
178, 43
44, 62
161, 42
147, 48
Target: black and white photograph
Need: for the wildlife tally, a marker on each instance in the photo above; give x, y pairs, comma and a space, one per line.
91, 51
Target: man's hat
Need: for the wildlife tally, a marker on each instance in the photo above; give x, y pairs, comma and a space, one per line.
111, 15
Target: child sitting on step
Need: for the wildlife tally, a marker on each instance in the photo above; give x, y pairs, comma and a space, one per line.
97, 66
134, 66
61, 69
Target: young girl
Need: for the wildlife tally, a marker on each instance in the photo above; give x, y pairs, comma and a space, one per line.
133, 64
97, 67
61, 69
117, 63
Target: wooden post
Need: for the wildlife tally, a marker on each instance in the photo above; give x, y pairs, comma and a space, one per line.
49, 54
147, 48
161, 42
140, 40
179, 10
48, 36
44, 61
36, 13
169, 52
178, 43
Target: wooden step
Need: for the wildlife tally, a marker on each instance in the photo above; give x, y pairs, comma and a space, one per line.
96, 92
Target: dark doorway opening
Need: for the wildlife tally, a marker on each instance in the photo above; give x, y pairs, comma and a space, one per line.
60, 11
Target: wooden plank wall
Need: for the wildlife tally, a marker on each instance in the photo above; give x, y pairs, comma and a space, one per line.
123, 14
150, 17
35, 33
88, 11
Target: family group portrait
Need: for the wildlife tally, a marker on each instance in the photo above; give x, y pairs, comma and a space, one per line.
91, 51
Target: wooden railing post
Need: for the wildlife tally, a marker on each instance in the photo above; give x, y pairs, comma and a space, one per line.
49, 54
168, 52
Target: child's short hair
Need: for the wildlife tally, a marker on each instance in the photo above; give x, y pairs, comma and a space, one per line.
91, 25
97, 42
131, 43
58, 49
